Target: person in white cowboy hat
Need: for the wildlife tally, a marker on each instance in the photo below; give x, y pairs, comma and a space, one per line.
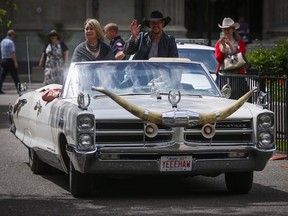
230, 42
155, 43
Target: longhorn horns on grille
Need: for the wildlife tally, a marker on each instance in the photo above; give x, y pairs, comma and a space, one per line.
157, 118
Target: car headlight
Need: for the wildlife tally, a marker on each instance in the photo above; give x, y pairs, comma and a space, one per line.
85, 122
266, 140
85, 140
266, 131
85, 132
265, 122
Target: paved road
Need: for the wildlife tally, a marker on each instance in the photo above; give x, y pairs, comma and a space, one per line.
22, 193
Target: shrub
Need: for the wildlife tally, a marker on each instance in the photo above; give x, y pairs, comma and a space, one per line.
272, 61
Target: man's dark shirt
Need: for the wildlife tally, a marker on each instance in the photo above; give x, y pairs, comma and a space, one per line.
142, 44
117, 45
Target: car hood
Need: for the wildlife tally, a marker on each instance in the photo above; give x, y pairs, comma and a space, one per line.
106, 108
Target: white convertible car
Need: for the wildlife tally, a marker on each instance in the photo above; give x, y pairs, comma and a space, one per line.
156, 117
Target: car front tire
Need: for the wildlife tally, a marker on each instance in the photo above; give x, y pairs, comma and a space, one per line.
79, 183
239, 182
36, 165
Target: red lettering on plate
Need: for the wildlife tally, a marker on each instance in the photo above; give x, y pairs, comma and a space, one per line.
188, 163
176, 164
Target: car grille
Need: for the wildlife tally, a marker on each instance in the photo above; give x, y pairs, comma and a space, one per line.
132, 133
232, 131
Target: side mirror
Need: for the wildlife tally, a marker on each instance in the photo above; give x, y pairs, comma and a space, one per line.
22, 88
226, 91
262, 99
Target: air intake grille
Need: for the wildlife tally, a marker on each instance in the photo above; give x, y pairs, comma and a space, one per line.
109, 132
131, 133
232, 131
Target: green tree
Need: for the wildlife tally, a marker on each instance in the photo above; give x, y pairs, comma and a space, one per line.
5, 20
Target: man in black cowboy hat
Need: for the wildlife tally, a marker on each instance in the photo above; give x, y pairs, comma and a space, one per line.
155, 43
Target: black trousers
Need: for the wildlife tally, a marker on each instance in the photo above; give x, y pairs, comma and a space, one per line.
9, 67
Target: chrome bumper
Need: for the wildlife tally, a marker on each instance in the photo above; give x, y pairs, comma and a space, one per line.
205, 160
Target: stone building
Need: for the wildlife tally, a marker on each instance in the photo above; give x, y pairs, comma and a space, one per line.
268, 19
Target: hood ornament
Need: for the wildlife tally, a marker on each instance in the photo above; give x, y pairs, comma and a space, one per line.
81, 101
174, 98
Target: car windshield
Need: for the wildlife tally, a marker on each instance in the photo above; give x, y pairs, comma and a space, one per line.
207, 57
139, 77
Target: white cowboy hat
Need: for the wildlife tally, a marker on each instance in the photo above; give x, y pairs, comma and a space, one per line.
228, 22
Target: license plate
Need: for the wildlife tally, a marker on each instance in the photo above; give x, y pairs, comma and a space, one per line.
175, 163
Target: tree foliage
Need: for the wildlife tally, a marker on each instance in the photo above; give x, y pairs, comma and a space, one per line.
5, 20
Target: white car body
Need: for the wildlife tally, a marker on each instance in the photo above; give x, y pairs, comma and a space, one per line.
199, 52
147, 121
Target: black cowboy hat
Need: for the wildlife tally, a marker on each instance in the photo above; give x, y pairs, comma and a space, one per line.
156, 16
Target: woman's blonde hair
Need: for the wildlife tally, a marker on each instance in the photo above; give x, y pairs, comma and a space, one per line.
94, 24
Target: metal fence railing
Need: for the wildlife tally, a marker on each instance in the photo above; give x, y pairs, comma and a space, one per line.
275, 88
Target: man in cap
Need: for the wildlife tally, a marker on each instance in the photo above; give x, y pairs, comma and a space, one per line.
111, 31
155, 43
8, 59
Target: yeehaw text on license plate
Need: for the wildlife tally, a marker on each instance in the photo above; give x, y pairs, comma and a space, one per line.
175, 163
